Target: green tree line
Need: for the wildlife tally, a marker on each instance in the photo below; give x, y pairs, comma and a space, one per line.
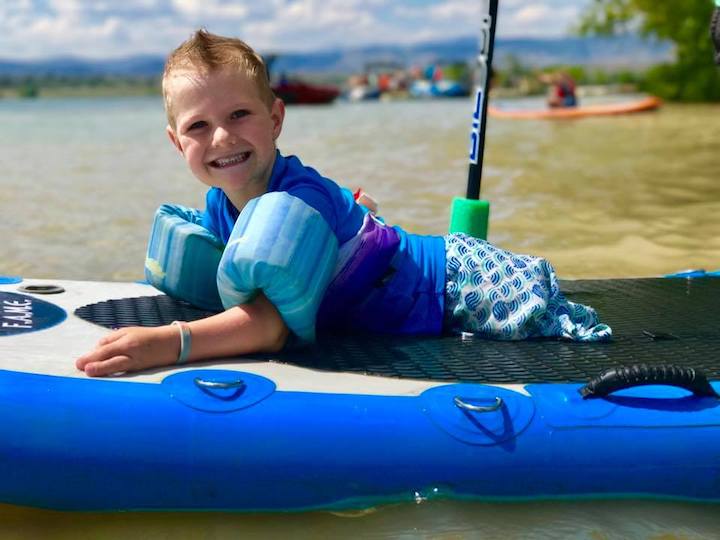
516, 75
693, 76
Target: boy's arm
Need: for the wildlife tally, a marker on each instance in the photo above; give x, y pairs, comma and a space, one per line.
253, 327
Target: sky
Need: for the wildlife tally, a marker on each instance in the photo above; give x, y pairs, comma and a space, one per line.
33, 29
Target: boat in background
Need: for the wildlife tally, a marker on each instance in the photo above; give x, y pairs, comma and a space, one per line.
442, 80
392, 80
296, 92
648, 103
442, 88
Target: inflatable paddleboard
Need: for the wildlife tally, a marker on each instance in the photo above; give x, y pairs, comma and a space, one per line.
646, 104
356, 421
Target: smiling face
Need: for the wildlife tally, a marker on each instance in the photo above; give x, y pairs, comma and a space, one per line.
224, 130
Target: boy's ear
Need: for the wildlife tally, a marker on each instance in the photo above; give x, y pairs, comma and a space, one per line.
173, 138
277, 113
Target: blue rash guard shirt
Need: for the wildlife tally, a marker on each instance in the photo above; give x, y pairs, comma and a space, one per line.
410, 297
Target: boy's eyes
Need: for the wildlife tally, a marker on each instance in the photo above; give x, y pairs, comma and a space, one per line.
197, 125
202, 123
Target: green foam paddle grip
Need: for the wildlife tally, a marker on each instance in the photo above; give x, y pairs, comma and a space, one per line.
470, 216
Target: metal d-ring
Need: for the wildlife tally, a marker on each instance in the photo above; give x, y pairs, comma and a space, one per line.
202, 383
479, 408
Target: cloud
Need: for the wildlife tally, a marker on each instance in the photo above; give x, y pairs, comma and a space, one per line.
532, 14
211, 9
552, 18
116, 28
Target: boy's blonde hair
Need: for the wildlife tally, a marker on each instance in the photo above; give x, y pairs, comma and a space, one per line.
208, 52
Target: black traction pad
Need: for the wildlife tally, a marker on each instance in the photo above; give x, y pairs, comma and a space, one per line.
654, 321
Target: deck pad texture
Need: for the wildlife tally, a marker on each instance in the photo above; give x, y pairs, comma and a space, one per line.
654, 321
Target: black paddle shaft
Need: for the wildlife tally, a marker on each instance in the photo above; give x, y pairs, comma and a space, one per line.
484, 59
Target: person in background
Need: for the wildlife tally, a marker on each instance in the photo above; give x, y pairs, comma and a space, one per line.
562, 91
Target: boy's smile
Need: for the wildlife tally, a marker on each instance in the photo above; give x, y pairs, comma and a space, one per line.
225, 131
222, 163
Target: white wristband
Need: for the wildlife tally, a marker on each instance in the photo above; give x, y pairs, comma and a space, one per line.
185, 341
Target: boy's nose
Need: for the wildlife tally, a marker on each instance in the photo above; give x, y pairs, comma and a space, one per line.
222, 136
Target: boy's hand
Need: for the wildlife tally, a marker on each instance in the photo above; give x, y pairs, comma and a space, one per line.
249, 328
131, 349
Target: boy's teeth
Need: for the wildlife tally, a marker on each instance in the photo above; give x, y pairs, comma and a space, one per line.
232, 160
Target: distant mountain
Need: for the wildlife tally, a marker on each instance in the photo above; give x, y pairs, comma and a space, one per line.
138, 66
354, 60
626, 51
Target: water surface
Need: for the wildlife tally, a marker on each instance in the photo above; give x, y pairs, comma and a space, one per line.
600, 197
636, 195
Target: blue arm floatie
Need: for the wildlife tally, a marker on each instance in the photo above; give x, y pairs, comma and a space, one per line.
284, 247
183, 257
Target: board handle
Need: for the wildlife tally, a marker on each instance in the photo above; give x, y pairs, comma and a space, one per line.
620, 378
478, 408
218, 385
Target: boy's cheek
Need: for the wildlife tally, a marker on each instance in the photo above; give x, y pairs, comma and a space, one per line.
186, 147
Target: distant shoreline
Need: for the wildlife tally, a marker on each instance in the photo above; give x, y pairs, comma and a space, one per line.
114, 91
55, 87
68, 87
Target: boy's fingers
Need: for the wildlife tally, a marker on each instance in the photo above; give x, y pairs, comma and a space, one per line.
112, 336
101, 353
85, 359
115, 364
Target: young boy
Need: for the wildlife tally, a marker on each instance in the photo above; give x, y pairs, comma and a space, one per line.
284, 250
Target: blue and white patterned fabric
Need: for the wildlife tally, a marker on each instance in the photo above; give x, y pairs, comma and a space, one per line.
501, 295
284, 247
183, 257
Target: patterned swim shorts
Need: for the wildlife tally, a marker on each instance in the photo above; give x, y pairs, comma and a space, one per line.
502, 295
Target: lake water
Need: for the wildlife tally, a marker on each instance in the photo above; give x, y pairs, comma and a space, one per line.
599, 197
